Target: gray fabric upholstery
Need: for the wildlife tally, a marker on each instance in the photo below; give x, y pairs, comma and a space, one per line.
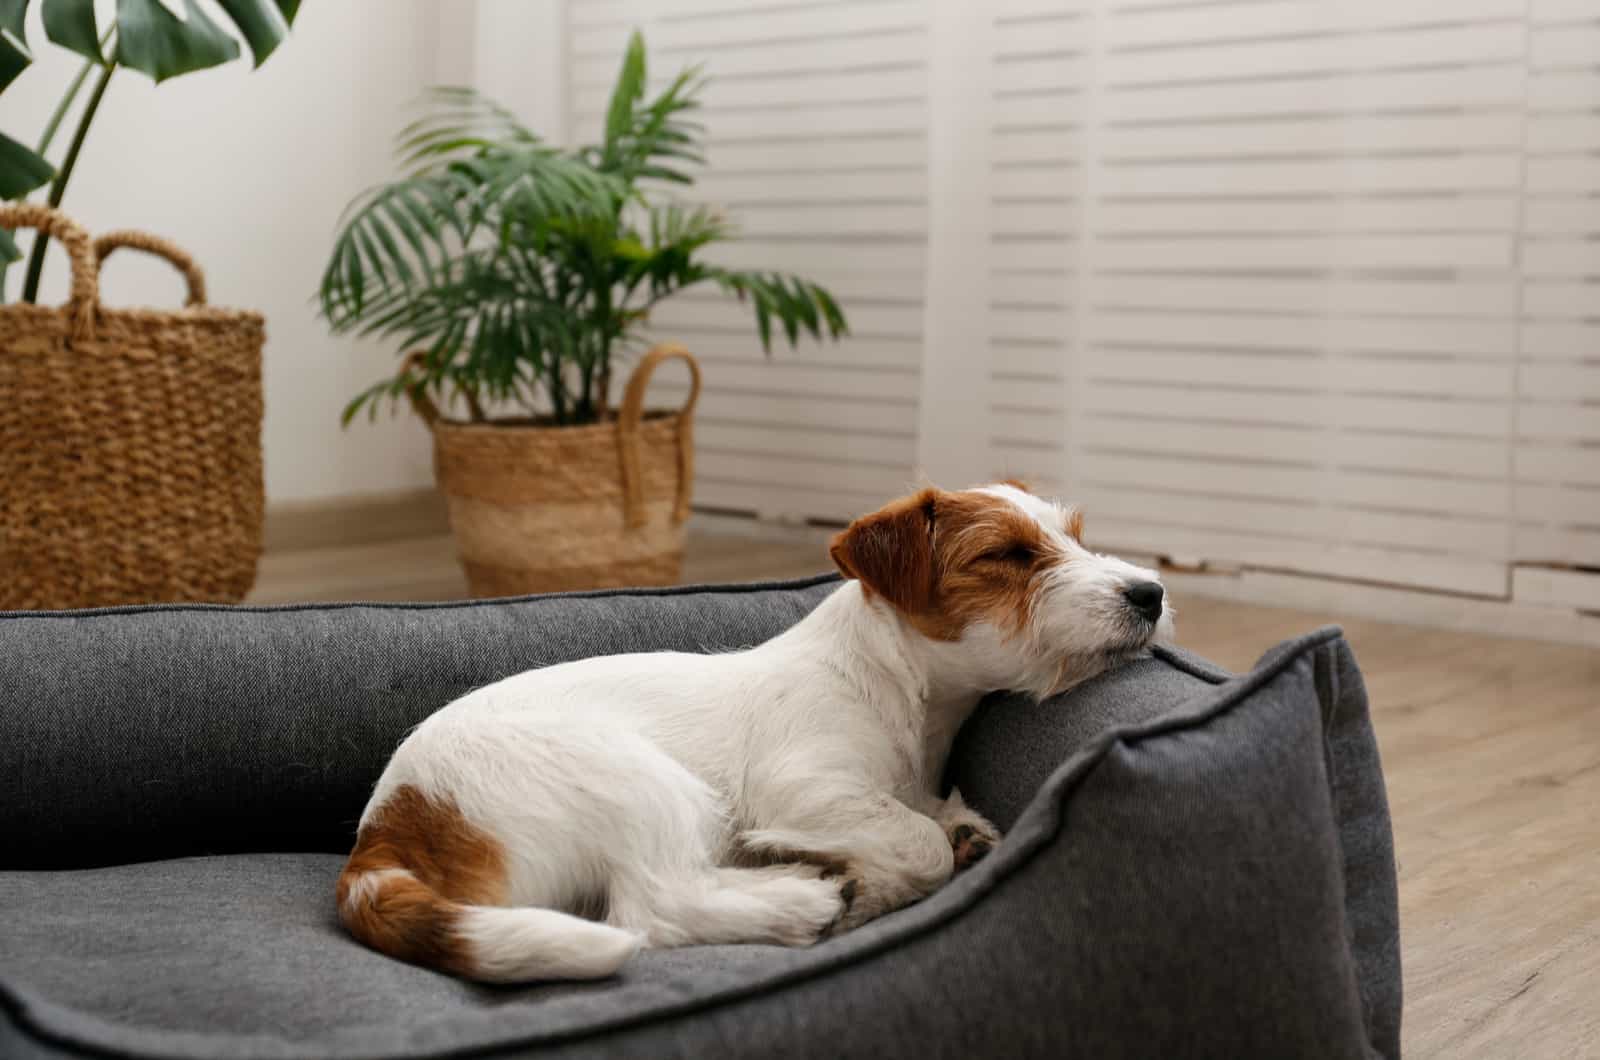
193, 730
1195, 864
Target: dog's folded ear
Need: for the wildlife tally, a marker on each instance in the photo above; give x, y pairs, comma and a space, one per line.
890, 552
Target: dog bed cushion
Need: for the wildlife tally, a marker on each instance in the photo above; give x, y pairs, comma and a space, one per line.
1195, 864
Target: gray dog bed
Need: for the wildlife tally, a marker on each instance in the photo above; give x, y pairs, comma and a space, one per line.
1195, 864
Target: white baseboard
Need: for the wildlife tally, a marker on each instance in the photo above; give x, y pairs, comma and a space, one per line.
731, 525
1389, 604
359, 519
1549, 586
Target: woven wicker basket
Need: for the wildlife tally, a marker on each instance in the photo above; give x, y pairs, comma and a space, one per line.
544, 509
130, 440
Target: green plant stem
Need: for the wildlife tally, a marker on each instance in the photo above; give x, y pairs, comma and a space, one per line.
609, 337
474, 407
586, 391
601, 316
558, 394
585, 410
58, 187
605, 392
65, 105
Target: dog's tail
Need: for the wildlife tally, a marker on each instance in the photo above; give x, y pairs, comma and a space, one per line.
390, 909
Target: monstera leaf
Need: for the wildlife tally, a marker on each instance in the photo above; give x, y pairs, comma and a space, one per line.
153, 39
160, 39
70, 23
14, 53
21, 170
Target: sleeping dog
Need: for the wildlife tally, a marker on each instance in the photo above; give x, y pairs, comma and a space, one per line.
549, 825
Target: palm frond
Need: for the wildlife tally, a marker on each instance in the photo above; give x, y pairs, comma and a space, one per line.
479, 323
664, 255
456, 120
685, 229
798, 306
629, 90
521, 270
650, 140
440, 211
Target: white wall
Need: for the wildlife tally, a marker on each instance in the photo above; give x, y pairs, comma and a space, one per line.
518, 59
249, 170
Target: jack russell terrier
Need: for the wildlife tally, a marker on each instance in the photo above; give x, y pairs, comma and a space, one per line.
549, 825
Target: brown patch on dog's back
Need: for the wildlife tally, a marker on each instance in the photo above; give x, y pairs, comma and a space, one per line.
416, 863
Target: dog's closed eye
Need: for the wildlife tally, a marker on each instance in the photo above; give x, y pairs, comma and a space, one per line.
1014, 553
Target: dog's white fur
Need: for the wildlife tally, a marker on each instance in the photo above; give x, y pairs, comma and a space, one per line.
660, 784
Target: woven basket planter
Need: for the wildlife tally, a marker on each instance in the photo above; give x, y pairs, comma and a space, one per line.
130, 440
545, 509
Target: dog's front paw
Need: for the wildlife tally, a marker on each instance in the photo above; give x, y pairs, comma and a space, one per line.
971, 843
971, 835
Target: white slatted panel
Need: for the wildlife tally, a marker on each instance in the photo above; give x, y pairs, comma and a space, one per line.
1040, 63
1558, 416
1298, 285
816, 118
1295, 284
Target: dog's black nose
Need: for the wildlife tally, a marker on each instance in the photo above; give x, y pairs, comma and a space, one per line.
1146, 598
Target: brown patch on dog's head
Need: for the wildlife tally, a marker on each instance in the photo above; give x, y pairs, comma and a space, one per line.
1075, 525
890, 552
948, 559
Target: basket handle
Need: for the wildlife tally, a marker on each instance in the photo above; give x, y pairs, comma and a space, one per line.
81, 302
150, 244
628, 434
421, 403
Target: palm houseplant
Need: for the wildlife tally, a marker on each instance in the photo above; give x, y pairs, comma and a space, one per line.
514, 279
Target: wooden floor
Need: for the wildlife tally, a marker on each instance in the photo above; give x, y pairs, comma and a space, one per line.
1491, 748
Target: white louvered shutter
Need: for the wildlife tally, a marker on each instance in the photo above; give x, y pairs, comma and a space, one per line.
817, 129
1557, 455
1295, 284
1298, 287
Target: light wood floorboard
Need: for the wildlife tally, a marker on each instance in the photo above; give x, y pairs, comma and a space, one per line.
1491, 748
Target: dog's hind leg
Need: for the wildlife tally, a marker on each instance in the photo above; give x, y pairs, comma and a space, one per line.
658, 847
888, 854
791, 905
